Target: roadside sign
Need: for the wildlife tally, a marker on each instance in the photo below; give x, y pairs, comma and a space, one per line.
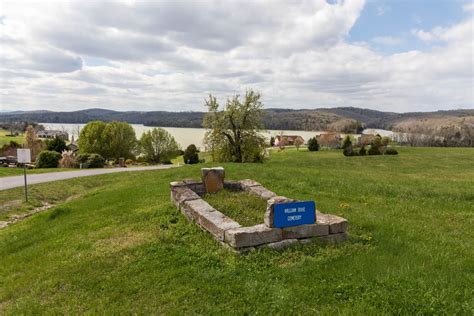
294, 214
23, 155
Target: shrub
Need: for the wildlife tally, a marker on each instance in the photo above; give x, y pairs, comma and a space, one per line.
48, 159
375, 146
386, 140
272, 141
128, 161
191, 155
362, 151
96, 161
68, 160
91, 160
391, 151
313, 144
82, 158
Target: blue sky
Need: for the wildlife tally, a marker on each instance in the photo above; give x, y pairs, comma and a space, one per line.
397, 19
394, 56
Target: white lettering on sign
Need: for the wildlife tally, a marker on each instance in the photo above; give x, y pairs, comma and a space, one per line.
23, 155
294, 218
301, 209
290, 210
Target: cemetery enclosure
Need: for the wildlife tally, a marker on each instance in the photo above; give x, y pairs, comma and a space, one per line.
186, 195
119, 245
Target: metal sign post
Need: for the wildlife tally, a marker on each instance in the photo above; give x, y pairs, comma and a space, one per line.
26, 185
24, 157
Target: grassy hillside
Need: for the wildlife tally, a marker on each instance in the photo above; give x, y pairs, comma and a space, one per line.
336, 119
4, 139
119, 246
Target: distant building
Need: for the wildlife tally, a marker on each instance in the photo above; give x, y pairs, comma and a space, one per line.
73, 146
52, 134
288, 140
329, 140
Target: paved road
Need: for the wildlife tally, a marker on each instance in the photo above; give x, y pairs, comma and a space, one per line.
17, 181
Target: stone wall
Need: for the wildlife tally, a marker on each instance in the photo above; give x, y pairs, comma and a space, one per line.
186, 195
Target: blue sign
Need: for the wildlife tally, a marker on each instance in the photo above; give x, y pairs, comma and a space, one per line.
294, 214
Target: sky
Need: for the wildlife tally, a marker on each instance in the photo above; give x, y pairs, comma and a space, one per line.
398, 56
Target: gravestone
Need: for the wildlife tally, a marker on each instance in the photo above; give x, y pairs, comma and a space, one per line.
121, 162
213, 179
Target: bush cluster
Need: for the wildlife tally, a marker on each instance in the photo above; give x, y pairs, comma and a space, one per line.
91, 160
378, 146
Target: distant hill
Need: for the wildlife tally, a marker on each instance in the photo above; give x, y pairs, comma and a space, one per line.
337, 119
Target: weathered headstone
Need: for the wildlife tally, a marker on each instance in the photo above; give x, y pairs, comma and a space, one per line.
213, 179
121, 162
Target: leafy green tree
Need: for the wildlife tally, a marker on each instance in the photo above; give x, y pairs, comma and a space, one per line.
120, 140
191, 155
56, 144
362, 151
92, 138
313, 144
159, 146
233, 132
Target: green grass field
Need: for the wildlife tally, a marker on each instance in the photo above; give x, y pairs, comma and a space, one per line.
4, 139
246, 209
117, 245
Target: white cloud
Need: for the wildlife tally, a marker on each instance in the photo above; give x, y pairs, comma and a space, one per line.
468, 7
170, 55
388, 40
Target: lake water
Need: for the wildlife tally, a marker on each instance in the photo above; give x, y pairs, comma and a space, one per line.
188, 136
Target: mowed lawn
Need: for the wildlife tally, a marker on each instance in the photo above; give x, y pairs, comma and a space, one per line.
4, 139
10, 172
119, 246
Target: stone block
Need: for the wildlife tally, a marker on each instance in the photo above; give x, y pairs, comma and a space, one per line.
213, 179
305, 231
191, 181
177, 184
260, 192
180, 194
269, 216
248, 183
232, 185
336, 224
195, 208
217, 223
252, 236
